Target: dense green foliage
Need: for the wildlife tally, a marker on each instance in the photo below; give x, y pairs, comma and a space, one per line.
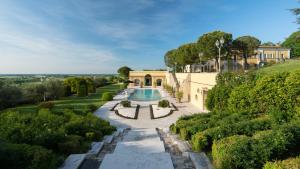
124, 72
254, 118
163, 103
34, 137
125, 103
293, 42
291, 163
62, 132
107, 96
246, 45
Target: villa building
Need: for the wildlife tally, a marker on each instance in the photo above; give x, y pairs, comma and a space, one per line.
193, 85
265, 54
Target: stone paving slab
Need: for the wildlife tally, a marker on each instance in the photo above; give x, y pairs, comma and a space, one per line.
73, 161
95, 149
141, 134
137, 161
200, 160
108, 139
147, 146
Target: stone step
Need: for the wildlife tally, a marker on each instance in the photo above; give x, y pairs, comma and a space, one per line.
137, 161
108, 139
73, 161
200, 160
96, 147
141, 134
146, 146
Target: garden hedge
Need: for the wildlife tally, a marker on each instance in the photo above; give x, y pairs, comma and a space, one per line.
203, 140
291, 163
253, 152
107, 96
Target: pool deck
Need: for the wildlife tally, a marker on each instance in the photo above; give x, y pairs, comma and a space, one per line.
144, 119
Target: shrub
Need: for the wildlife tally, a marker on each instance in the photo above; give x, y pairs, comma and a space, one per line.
16, 156
173, 128
126, 103
235, 152
291, 163
243, 128
179, 96
232, 152
92, 107
46, 105
183, 134
199, 142
72, 144
107, 96
163, 103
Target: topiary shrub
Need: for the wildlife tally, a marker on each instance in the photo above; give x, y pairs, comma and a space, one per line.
232, 152
163, 103
173, 128
46, 105
16, 156
125, 103
107, 96
199, 142
183, 133
291, 163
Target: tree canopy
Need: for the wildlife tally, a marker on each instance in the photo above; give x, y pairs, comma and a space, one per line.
124, 72
207, 45
293, 42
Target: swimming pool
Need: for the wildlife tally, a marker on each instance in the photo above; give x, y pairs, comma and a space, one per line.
145, 95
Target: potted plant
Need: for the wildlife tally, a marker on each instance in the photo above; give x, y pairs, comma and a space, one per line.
141, 85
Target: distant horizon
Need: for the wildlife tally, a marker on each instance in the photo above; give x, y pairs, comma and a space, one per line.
98, 37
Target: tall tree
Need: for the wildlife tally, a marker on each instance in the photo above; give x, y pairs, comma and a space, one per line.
207, 45
268, 44
246, 45
124, 72
296, 11
187, 54
293, 42
170, 58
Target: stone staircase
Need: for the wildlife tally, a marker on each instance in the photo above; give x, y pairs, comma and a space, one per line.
139, 148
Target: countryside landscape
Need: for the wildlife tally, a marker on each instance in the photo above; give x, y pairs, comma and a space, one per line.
150, 84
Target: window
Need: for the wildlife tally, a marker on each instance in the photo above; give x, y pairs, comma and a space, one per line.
198, 90
196, 97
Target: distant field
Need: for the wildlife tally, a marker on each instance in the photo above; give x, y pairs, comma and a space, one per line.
288, 66
78, 103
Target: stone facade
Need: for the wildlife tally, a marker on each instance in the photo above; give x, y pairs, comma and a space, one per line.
147, 78
193, 85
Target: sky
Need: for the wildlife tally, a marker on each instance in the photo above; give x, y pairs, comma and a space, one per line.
99, 36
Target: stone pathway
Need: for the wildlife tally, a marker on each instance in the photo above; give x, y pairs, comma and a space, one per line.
180, 161
139, 149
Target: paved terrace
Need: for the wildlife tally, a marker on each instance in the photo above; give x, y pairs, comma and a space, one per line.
144, 120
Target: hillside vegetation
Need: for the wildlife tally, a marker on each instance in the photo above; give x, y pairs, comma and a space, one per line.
254, 119
41, 136
288, 66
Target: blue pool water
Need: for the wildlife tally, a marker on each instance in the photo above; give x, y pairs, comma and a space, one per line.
145, 95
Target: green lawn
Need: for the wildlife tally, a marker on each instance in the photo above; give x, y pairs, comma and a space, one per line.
288, 66
78, 103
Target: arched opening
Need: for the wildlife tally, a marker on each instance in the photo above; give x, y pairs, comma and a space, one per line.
148, 80
136, 82
158, 82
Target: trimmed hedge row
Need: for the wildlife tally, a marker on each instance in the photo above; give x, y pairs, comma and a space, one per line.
188, 126
291, 163
16, 156
203, 140
241, 151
